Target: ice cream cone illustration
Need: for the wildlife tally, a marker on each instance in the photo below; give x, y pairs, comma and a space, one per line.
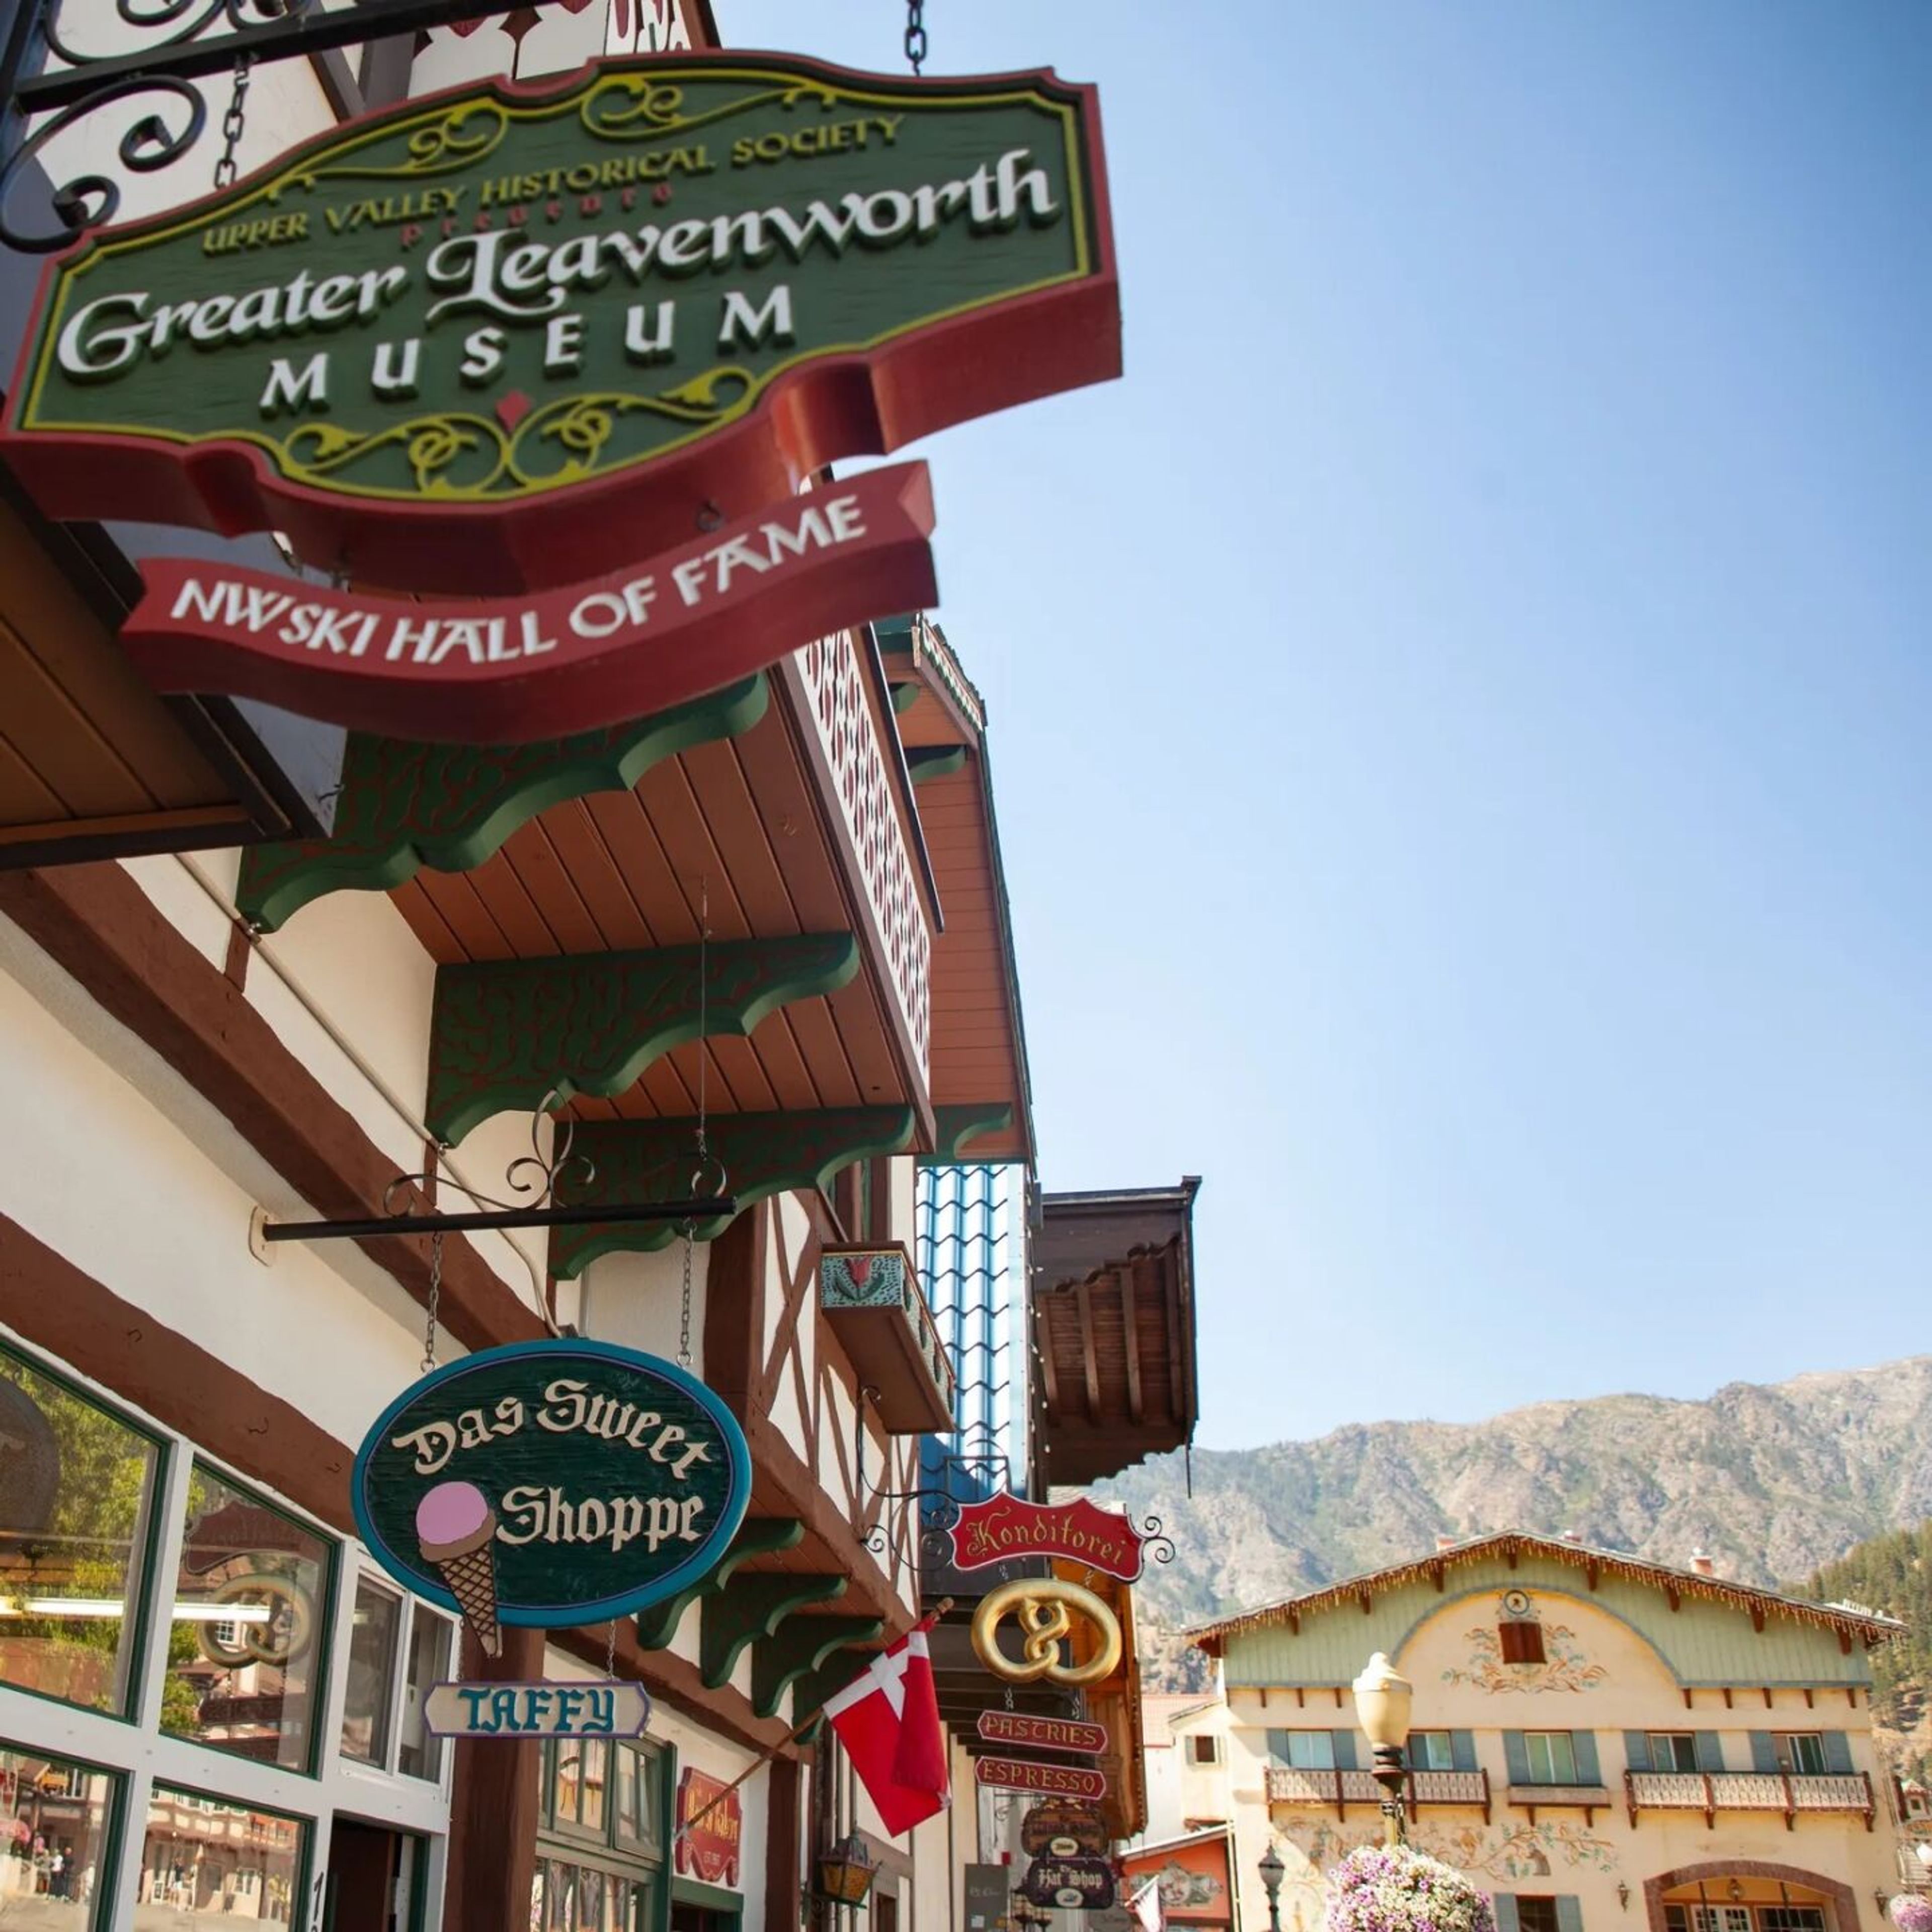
457, 1529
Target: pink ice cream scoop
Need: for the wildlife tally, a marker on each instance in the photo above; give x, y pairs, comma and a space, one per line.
457, 1528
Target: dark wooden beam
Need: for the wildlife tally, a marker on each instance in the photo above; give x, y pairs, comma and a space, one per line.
1084, 1300
1130, 1328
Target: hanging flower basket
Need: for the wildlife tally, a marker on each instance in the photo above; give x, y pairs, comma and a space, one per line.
1911, 1913
1393, 1888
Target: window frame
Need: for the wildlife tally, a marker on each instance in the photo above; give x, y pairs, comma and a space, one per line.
1537, 1898
1527, 1634
1687, 1738
1448, 1751
1532, 1739
1204, 1747
1288, 1764
1784, 1746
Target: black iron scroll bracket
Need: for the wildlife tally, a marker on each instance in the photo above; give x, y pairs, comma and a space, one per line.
184, 41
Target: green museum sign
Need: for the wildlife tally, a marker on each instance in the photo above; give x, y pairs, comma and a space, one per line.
551, 1483
659, 289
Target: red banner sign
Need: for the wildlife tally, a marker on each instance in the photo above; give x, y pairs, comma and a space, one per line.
708, 1851
1060, 1781
1011, 1727
1005, 1526
729, 602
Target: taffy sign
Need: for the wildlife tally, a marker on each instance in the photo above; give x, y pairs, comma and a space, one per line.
550, 1483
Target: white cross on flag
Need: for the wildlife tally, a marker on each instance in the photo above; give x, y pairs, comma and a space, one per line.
888, 1720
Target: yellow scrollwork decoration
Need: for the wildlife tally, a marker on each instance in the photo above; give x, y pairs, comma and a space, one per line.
1045, 1609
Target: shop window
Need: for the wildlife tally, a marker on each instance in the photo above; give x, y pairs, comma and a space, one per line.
246, 1566
601, 1856
207, 1862
1790, 1919
1551, 1756
1800, 1754
376, 1623
56, 1818
579, 1786
77, 1486
419, 1753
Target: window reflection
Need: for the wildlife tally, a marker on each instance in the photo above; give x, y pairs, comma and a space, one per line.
420, 1754
372, 1664
54, 1820
76, 1486
213, 1862
248, 1616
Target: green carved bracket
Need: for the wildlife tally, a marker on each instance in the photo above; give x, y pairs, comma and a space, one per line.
905, 696
506, 1033
761, 1154
757, 1536
933, 761
753, 1609
801, 1648
405, 805
954, 1126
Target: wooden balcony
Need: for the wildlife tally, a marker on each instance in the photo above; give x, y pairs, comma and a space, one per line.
1341, 1788
1588, 1799
871, 1297
1783, 1792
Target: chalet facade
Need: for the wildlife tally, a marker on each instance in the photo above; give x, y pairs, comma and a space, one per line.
1599, 1741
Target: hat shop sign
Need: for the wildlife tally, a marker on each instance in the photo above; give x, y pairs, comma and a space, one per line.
546, 1485
501, 342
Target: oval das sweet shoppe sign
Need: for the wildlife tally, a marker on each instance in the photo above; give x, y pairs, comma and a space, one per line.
551, 1483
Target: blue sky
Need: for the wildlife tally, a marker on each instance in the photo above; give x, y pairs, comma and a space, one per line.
1462, 706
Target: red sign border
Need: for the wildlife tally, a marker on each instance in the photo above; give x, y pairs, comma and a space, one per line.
690, 1844
1016, 349
1092, 1786
1097, 1732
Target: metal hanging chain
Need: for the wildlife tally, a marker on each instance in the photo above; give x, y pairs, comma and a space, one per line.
232, 122
611, 1651
684, 1319
915, 35
435, 1296
703, 1150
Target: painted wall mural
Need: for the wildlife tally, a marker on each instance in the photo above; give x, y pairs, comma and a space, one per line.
1182, 1890
1565, 1665
1504, 1852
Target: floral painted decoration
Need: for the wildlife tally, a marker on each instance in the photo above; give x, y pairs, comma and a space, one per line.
1395, 1888
1911, 1913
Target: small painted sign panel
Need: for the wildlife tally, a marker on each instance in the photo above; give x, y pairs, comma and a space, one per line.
708, 1850
1066, 1734
550, 1483
1069, 1884
514, 334
1006, 1526
1063, 1826
1020, 1774
492, 671
495, 1710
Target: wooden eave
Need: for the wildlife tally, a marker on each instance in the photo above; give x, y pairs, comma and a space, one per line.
1512, 1546
731, 835
93, 763
1113, 1318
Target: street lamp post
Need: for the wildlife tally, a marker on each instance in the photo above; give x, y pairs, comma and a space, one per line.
1382, 1700
1272, 1869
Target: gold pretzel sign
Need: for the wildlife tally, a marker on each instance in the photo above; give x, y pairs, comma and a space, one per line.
1045, 1610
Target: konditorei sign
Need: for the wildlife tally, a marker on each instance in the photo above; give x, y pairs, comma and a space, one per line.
542, 1710
1006, 1526
1057, 1780
550, 1483
565, 316
641, 640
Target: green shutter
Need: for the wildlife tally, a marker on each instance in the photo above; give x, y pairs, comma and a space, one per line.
1344, 1750
1515, 1755
1462, 1750
1764, 1752
1278, 1747
1569, 1912
1504, 1903
1588, 1771
1710, 1752
1837, 1754
1637, 1750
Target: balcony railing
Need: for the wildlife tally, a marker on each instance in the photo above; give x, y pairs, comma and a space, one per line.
1342, 1788
1785, 1792
871, 1298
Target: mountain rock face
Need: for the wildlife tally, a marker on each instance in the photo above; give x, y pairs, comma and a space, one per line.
1775, 1482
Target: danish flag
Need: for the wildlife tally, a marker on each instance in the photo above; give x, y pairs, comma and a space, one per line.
888, 1720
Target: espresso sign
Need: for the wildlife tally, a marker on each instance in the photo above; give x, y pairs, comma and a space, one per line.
1013, 1727
1005, 1526
550, 1483
564, 316
1020, 1774
551, 664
